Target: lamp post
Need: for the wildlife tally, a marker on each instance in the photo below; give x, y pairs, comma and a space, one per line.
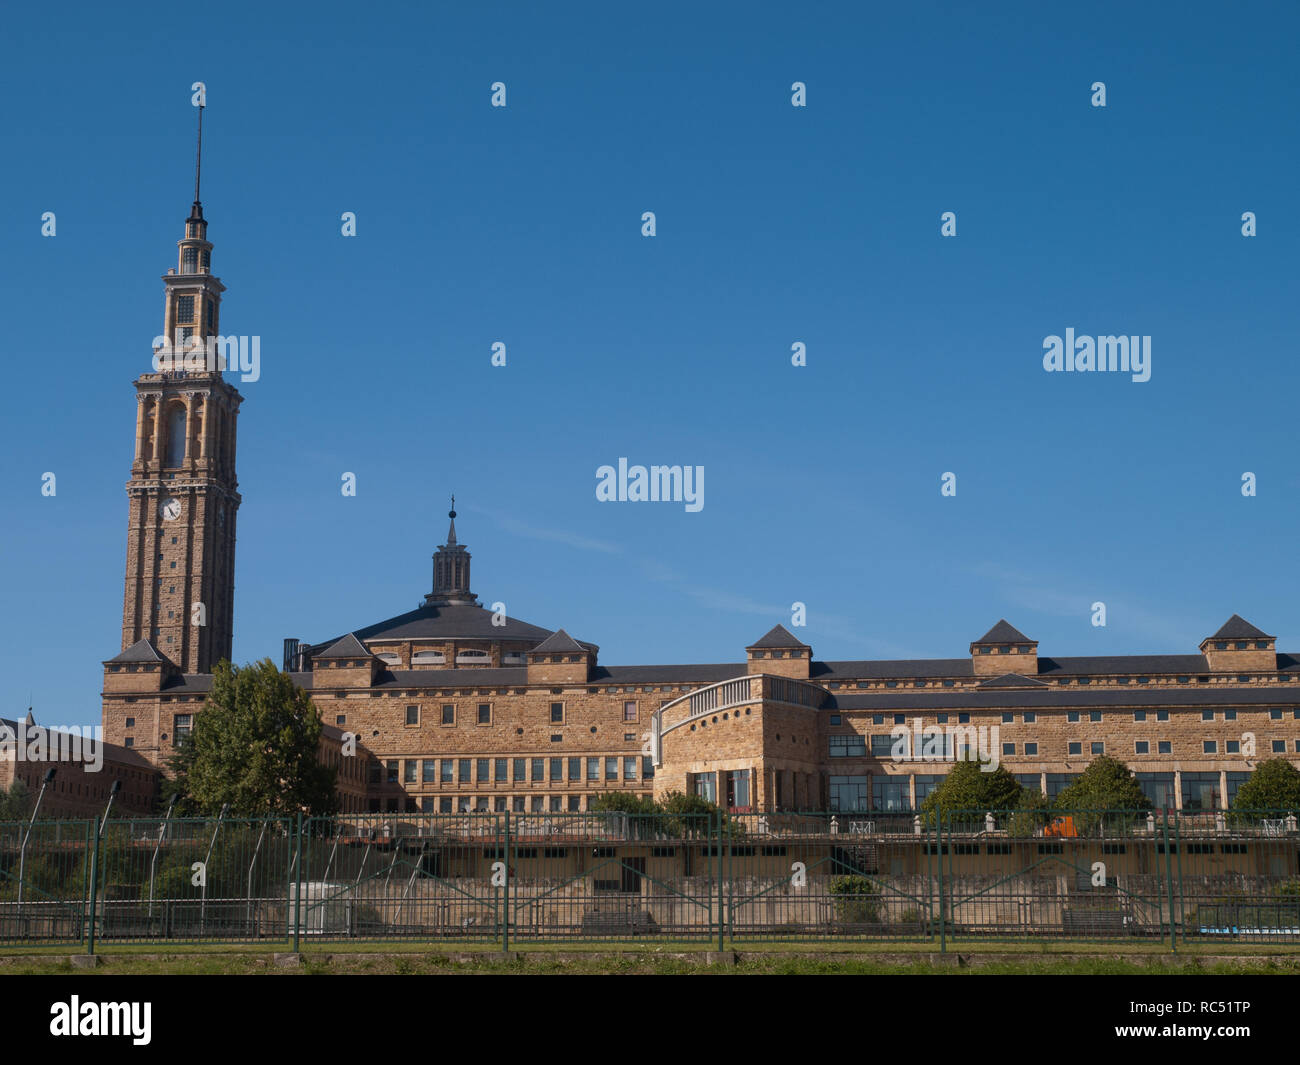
22, 851
112, 794
162, 831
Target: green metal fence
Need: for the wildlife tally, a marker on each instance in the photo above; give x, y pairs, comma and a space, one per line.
509, 878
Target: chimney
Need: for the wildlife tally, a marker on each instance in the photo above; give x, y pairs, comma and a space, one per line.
290, 655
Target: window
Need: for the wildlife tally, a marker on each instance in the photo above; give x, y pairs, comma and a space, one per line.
1230, 715
926, 783
853, 746
463, 771
182, 725
130, 722
444, 805
500, 770
448, 769
890, 793
1058, 782
1139, 715
1076, 748
1162, 715
1030, 717
575, 768
900, 719
409, 770
1008, 748
629, 711
341, 719
963, 719
1275, 715
611, 768
448, 714
485, 713
1008, 718
428, 658
593, 768
557, 713
1094, 715
481, 769
1142, 747
391, 771
520, 770
704, 785
629, 773
1209, 746
1098, 746
1200, 791
1207, 715
430, 774
1279, 747
1072, 716
1164, 747
412, 715
647, 768
185, 304
835, 718
1031, 748
557, 768
883, 746
539, 769
1159, 788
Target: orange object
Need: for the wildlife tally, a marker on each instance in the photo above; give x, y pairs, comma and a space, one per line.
1061, 826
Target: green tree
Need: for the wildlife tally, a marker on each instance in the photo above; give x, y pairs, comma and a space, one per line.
1107, 784
1274, 785
255, 746
970, 789
16, 803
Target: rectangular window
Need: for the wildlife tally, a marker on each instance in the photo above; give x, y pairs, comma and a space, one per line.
1139, 715
485, 713
1141, 747
130, 721
557, 768
575, 803
185, 304
575, 768
854, 746
1098, 747
391, 768
1207, 715
593, 768
182, 726
448, 714
1094, 715
1030, 717
481, 770
1031, 748
1279, 747
1008, 748
444, 805
412, 715
882, 746
408, 771
611, 768
521, 770
539, 769
1076, 748
1230, 715
1162, 715
1164, 747
1072, 716
430, 772
1209, 746
1008, 718
1275, 715
463, 773
557, 713
963, 719
629, 711
629, 772
501, 770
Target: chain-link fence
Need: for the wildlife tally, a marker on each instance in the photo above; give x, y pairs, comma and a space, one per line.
505, 878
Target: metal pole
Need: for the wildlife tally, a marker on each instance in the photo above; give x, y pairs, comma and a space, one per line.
718, 842
249, 893
207, 858
1169, 882
94, 884
162, 832
297, 913
943, 921
22, 851
505, 893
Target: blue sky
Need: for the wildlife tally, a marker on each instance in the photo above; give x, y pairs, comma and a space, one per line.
775, 224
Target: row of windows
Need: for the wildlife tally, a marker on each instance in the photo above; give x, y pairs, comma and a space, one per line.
855, 746
1072, 716
1204, 678
483, 714
516, 770
489, 804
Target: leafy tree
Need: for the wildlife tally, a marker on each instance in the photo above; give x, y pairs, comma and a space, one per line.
1107, 784
16, 803
969, 789
1274, 785
256, 746
857, 899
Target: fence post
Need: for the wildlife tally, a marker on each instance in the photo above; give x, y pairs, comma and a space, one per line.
1169, 883
505, 891
718, 846
943, 921
94, 886
297, 909
1178, 865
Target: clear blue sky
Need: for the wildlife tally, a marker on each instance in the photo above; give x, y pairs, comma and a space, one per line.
775, 225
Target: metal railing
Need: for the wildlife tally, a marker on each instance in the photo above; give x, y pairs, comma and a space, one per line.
494, 878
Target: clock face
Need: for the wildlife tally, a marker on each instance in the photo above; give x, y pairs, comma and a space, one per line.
170, 509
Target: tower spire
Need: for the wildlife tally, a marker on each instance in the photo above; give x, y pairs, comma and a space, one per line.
451, 533
451, 571
196, 212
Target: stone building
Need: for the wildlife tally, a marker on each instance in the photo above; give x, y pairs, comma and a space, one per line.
454, 708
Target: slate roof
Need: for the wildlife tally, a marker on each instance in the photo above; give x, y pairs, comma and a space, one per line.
1063, 698
140, 651
559, 641
347, 647
1003, 632
1012, 680
1238, 628
777, 636
449, 621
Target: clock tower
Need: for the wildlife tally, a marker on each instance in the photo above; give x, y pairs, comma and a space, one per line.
180, 554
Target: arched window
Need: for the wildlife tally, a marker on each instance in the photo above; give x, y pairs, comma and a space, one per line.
175, 436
